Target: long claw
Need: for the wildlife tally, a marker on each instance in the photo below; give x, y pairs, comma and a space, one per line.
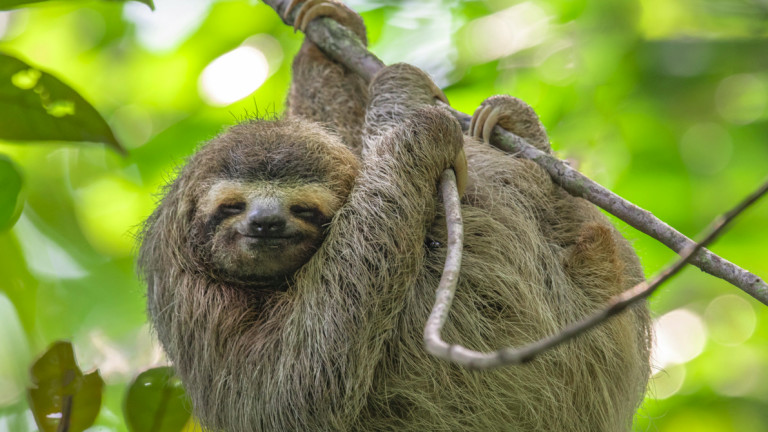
290, 7
481, 122
313, 9
473, 121
490, 122
460, 169
302, 10
440, 95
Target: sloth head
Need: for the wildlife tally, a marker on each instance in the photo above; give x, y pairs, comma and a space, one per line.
251, 206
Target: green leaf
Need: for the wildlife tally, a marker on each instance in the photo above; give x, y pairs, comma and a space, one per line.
12, 4
156, 402
36, 106
61, 393
10, 207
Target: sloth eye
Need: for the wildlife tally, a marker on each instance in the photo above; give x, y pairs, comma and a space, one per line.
304, 211
231, 209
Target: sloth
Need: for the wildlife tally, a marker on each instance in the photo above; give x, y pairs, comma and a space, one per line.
292, 264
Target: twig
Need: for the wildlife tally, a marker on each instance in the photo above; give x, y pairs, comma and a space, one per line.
447, 288
508, 356
344, 47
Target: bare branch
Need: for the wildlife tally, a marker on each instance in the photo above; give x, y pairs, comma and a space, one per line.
577, 184
344, 47
509, 356
445, 291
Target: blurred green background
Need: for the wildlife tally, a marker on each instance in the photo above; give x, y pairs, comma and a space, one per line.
665, 102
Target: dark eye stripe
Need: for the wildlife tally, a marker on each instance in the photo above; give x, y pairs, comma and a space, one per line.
230, 209
310, 214
304, 211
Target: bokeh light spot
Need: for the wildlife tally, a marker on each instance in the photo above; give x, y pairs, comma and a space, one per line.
270, 47
506, 32
666, 382
731, 320
680, 337
706, 148
742, 98
170, 24
233, 76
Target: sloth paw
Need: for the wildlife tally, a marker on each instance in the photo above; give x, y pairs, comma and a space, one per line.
461, 169
333, 9
405, 86
511, 114
399, 92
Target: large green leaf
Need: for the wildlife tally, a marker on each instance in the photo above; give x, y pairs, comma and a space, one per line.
12, 4
59, 391
156, 402
35, 106
10, 178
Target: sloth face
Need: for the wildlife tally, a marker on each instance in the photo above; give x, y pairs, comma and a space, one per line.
262, 231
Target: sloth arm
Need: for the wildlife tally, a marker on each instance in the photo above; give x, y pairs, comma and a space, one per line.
373, 252
323, 90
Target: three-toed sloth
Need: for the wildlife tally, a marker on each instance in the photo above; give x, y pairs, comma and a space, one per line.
292, 265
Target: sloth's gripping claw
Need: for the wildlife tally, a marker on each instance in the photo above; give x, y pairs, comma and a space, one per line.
333, 9
398, 91
460, 163
511, 114
460, 166
460, 169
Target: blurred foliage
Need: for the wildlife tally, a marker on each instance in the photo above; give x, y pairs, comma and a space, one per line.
38, 107
11, 4
156, 402
60, 396
9, 194
666, 103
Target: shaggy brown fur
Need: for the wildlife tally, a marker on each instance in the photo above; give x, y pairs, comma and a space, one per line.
337, 344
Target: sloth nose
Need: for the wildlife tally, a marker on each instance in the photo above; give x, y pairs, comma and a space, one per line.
266, 222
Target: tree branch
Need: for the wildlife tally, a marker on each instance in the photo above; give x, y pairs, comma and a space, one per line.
343, 46
509, 356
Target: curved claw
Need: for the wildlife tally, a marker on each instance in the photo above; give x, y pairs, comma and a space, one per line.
460, 168
473, 121
290, 7
438, 92
479, 121
313, 9
490, 122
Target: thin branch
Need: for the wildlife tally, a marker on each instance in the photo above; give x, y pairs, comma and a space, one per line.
344, 47
577, 184
508, 356
434, 343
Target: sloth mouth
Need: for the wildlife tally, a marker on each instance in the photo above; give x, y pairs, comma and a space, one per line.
271, 240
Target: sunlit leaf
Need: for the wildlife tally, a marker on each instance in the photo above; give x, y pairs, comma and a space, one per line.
12, 4
156, 402
10, 178
38, 107
60, 392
